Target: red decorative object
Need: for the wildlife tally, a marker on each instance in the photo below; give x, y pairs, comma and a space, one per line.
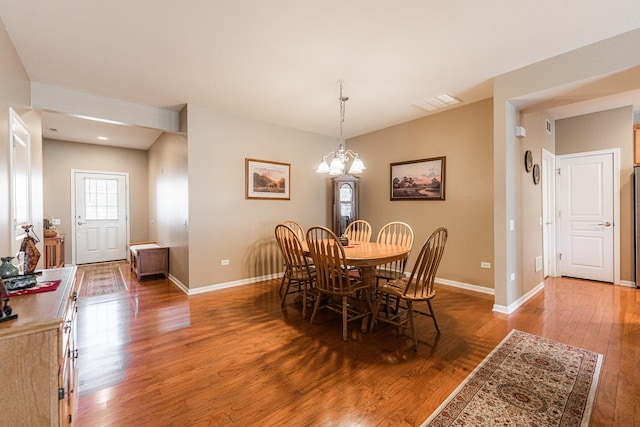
48, 286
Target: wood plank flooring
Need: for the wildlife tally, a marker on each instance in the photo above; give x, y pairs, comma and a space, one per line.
153, 356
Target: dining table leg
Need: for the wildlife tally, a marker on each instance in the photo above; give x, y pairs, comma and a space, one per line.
368, 276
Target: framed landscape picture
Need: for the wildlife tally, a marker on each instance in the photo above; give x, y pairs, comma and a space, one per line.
422, 179
267, 180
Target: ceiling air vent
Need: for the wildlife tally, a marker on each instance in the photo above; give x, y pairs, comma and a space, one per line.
437, 102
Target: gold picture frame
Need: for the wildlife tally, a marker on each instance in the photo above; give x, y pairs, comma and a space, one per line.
267, 180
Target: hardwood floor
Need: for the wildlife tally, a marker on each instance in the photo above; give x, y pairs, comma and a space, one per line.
154, 356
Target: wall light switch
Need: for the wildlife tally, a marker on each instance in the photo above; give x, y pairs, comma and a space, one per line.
512, 225
224, 262
538, 263
513, 276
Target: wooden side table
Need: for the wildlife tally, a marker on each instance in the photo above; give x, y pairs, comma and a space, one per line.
54, 251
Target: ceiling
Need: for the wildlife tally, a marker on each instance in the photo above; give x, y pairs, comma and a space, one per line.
280, 61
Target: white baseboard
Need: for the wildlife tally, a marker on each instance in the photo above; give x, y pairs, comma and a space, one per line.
467, 286
446, 282
515, 305
233, 284
178, 284
627, 284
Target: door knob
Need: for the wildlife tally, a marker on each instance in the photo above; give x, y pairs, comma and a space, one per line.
80, 223
606, 224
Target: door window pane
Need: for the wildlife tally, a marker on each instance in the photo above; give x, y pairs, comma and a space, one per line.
101, 199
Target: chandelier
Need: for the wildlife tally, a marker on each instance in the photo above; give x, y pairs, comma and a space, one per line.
341, 157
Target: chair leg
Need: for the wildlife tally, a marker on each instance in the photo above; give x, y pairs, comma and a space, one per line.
433, 315
315, 307
413, 326
367, 298
286, 291
344, 318
284, 277
304, 299
374, 312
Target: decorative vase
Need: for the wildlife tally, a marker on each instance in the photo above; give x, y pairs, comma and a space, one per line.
7, 269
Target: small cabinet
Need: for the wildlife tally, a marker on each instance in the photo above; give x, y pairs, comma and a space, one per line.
345, 202
54, 251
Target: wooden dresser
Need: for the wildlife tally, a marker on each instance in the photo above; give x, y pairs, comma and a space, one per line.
38, 356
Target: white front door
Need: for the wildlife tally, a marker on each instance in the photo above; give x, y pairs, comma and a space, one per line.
586, 216
100, 217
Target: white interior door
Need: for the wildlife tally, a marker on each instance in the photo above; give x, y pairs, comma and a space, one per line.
586, 216
548, 213
100, 217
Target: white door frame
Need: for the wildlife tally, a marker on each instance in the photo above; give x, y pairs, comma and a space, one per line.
615, 152
549, 222
73, 207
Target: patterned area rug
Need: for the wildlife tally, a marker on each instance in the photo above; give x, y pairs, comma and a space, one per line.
102, 279
527, 380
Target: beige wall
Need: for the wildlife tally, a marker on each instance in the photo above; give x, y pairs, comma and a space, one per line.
529, 222
537, 81
169, 202
15, 93
222, 223
60, 157
599, 131
465, 136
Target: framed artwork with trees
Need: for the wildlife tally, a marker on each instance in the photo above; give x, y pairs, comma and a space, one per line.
267, 180
422, 179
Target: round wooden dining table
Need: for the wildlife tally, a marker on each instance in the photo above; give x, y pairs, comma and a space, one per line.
367, 255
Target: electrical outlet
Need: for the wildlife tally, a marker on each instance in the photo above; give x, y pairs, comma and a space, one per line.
485, 265
55, 221
224, 262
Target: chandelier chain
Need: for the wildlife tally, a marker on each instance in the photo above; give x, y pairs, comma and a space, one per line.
341, 156
343, 101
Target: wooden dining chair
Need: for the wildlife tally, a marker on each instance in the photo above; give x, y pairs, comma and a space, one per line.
358, 231
394, 233
297, 272
418, 287
297, 228
333, 280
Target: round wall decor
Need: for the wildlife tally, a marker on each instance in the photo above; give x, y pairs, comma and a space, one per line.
528, 160
536, 174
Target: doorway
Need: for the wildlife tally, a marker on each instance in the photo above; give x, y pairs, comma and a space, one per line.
588, 215
100, 216
548, 213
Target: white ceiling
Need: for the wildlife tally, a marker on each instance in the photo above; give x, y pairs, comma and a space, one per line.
280, 61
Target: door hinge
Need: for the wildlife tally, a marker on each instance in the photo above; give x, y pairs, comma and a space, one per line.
559, 170
560, 257
61, 393
559, 214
